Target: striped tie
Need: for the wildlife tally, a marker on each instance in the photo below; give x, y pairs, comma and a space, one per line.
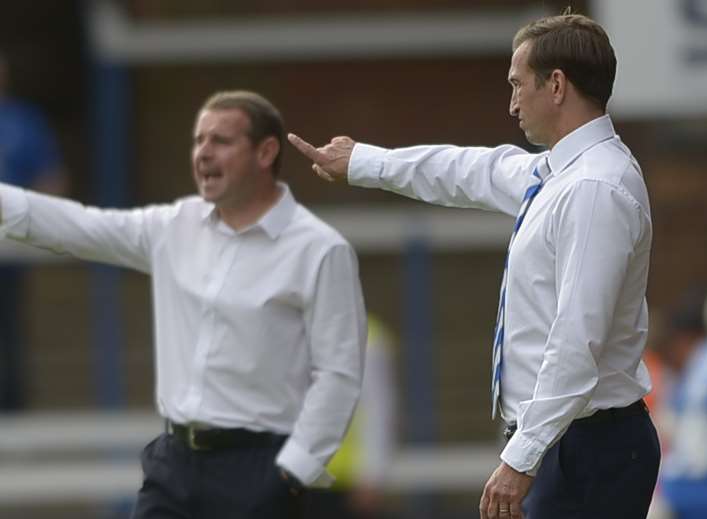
530, 194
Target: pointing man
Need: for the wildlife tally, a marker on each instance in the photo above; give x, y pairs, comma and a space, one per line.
567, 375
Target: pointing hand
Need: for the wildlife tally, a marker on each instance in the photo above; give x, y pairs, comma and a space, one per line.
331, 162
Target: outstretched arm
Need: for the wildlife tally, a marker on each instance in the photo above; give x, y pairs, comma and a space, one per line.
451, 176
118, 237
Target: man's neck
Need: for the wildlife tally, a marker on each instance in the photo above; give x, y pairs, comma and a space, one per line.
573, 121
244, 215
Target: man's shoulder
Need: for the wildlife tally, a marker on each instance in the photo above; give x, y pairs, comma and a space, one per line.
611, 164
607, 161
310, 227
190, 207
192, 202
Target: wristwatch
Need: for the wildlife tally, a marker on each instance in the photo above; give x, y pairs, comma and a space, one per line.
295, 485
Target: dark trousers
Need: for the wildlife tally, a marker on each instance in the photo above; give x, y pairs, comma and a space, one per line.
328, 504
598, 470
231, 483
338, 503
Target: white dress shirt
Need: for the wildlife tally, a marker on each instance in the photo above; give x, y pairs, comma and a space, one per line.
262, 329
576, 316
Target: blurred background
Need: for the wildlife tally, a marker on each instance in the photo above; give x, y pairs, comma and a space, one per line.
115, 86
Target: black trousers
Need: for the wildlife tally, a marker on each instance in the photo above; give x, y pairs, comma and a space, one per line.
328, 504
233, 483
603, 470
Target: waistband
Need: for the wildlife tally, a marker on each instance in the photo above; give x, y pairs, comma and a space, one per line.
602, 415
198, 438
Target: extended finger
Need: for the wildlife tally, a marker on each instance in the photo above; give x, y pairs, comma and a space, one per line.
306, 149
516, 511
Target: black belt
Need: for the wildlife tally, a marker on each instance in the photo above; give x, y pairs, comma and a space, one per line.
200, 439
602, 415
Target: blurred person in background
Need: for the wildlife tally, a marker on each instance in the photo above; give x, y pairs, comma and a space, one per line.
260, 326
683, 476
362, 463
656, 400
568, 377
654, 363
29, 158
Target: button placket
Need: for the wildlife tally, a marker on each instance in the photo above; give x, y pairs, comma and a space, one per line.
214, 280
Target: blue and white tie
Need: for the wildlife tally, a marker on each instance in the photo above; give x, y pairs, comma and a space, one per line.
530, 194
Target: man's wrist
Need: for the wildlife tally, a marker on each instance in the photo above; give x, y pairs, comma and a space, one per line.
530, 473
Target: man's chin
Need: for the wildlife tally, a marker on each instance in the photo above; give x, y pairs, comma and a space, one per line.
533, 139
207, 196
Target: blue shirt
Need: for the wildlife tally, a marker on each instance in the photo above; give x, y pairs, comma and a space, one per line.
684, 473
27, 147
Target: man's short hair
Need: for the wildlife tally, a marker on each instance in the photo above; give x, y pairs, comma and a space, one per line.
265, 119
578, 46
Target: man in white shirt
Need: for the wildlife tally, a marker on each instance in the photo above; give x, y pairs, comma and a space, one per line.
259, 320
568, 378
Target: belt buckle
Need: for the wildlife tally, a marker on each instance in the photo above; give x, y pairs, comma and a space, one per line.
191, 440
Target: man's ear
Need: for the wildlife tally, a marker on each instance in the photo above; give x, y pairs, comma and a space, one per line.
558, 85
267, 152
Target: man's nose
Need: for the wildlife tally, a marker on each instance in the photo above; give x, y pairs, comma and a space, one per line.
202, 152
513, 107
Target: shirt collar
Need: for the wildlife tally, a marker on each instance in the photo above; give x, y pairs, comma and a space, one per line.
580, 140
274, 221
278, 216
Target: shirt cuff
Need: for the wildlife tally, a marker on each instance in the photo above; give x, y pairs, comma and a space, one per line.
366, 165
303, 466
523, 454
13, 208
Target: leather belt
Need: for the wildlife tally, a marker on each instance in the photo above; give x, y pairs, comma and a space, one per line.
602, 415
198, 438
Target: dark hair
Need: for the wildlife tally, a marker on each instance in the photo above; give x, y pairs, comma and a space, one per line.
265, 119
578, 46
